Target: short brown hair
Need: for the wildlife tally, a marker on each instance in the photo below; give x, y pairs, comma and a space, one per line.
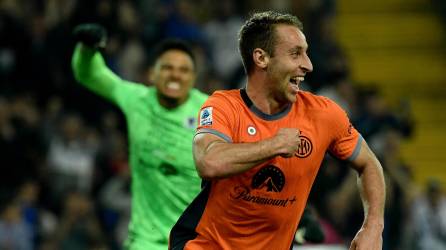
259, 32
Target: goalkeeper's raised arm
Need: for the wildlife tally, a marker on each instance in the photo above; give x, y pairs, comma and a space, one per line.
161, 121
87, 63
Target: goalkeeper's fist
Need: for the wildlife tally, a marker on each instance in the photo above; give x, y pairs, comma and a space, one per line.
91, 34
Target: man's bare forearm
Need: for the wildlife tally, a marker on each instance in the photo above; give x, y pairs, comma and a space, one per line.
216, 158
371, 186
221, 159
372, 190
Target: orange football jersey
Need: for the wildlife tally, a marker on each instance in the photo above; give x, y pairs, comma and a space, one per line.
261, 208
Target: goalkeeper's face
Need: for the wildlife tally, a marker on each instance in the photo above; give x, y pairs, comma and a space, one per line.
174, 75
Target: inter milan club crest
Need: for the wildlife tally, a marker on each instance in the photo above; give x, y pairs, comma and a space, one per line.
305, 148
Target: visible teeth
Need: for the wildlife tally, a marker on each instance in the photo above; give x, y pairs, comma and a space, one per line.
173, 85
297, 79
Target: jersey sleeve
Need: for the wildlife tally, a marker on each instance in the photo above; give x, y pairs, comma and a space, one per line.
217, 117
346, 140
90, 70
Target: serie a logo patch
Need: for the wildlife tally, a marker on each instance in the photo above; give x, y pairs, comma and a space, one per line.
206, 116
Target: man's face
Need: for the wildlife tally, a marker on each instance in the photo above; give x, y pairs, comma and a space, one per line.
174, 74
287, 68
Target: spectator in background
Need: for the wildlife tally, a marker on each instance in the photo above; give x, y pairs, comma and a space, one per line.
131, 55
20, 140
15, 232
112, 153
222, 36
401, 190
41, 221
375, 116
115, 197
14, 49
181, 22
341, 91
70, 158
78, 226
429, 219
161, 120
51, 115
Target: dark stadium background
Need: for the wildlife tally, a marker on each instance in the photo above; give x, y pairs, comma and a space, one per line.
383, 61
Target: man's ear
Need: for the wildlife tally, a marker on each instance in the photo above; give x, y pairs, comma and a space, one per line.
260, 58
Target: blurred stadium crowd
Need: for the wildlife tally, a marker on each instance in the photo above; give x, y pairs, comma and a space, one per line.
65, 181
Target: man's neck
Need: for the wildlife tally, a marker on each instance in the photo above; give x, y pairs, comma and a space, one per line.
262, 97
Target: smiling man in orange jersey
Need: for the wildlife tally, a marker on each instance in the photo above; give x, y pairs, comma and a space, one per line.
259, 150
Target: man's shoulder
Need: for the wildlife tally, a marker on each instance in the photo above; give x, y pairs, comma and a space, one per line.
226, 94
225, 99
313, 101
319, 107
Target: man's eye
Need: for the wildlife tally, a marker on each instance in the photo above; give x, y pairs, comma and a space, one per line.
185, 70
295, 54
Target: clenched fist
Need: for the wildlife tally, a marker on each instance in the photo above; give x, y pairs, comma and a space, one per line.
91, 34
287, 140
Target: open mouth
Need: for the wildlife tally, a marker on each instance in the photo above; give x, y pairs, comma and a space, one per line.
172, 85
295, 82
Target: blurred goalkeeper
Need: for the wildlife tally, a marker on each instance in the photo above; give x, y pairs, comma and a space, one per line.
161, 123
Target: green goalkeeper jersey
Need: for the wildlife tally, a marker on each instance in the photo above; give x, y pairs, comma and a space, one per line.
164, 179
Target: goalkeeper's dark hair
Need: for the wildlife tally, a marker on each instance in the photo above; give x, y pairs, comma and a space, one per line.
171, 44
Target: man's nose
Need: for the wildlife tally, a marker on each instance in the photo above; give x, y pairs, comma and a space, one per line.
176, 73
306, 65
